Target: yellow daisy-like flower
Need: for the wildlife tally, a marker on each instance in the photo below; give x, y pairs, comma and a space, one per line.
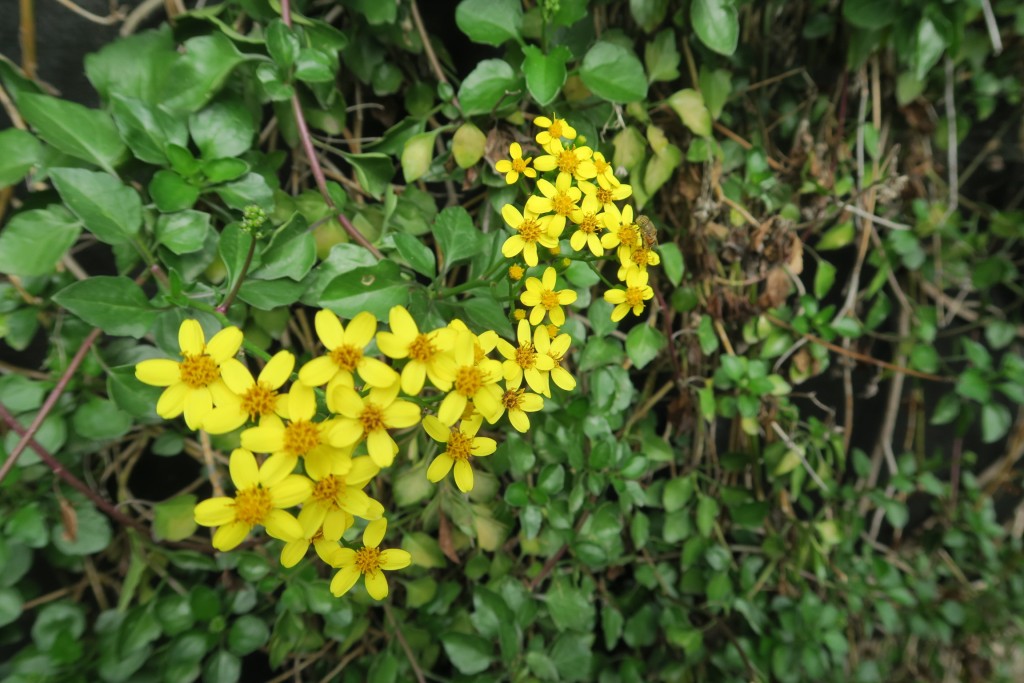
461, 443
558, 201
637, 291
301, 437
337, 498
293, 551
556, 346
195, 384
516, 166
588, 223
529, 235
571, 162
261, 495
345, 354
371, 417
517, 402
604, 171
426, 351
526, 360
554, 129
255, 398
622, 230
516, 272
637, 258
542, 295
368, 562
605, 194
474, 377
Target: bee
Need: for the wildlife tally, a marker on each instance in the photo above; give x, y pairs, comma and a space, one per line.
648, 231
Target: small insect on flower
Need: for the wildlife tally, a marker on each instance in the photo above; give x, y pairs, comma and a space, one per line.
648, 231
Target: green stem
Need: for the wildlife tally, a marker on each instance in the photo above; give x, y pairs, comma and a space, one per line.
230, 298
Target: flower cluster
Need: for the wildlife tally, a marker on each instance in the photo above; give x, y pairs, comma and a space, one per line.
334, 430
581, 193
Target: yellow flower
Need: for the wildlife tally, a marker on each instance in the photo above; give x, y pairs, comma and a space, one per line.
371, 416
301, 437
621, 228
554, 128
588, 223
261, 495
345, 354
426, 351
367, 562
603, 171
530, 233
195, 384
474, 378
254, 398
519, 314
518, 402
516, 272
571, 162
541, 294
516, 166
637, 258
293, 551
560, 198
556, 346
525, 360
337, 498
461, 443
637, 291
605, 194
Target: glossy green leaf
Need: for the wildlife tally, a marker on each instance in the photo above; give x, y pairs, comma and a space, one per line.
491, 22
224, 128
135, 67
662, 57
100, 419
468, 145
147, 129
469, 654
84, 133
201, 71
648, 14
171, 192
492, 82
282, 43
717, 24
116, 305
456, 236
373, 171
995, 422
109, 209
643, 344
23, 253
417, 153
174, 519
416, 253
689, 105
671, 262
375, 289
19, 151
613, 73
869, 14
545, 74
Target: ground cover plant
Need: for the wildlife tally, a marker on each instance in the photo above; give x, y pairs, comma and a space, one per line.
563, 340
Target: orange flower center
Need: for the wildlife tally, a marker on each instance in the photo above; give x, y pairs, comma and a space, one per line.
604, 196
252, 505
601, 165
459, 445
326, 490
259, 400
516, 272
422, 349
519, 165
468, 381
512, 399
549, 299
640, 257
562, 204
198, 371
568, 161
526, 356
368, 560
372, 418
634, 296
347, 357
555, 129
628, 235
301, 436
529, 230
588, 226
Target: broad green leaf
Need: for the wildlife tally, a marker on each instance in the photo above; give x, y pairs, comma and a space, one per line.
374, 171
648, 14
171, 192
56, 619
110, 210
289, 255
707, 514
716, 24
995, 422
19, 151
490, 83
417, 153
183, 232
135, 67
100, 419
468, 145
224, 170
662, 57
201, 71
375, 289
469, 654
613, 73
823, 278
660, 168
715, 88
419, 256
643, 344
569, 607
116, 305
689, 105
252, 188
573, 655
492, 22
928, 48
485, 313
222, 667
147, 129
174, 519
677, 493
84, 133
376, 12
282, 43
456, 235
545, 74
224, 128
131, 395
671, 262
10, 606
267, 295
233, 248
316, 66
33, 242
91, 535
870, 14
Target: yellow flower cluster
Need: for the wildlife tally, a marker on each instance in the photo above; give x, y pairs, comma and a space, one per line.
323, 464
584, 194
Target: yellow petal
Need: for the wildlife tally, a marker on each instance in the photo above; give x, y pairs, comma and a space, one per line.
158, 372
401, 414
451, 408
282, 526
245, 473
198, 404
381, 447
293, 551
345, 432
615, 296
464, 476
437, 430
402, 324
374, 533
361, 329
215, 511
225, 344
376, 373
267, 438
301, 402
440, 467
391, 345
278, 369
483, 446
172, 401
311, 517
191, 339
512, 246
290, 491
512, 216
224, 420
394, 558
376, 585
347, 401
545, 163
335, 524
329, 329
413, 376
229, 536
344, 580
318, 371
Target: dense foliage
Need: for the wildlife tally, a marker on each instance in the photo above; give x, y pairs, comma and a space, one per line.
721, 297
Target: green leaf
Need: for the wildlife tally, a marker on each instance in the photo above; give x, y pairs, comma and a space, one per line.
373, 171
147, 129
201, 71
677, 493
267, 295
869, 14
222, 667
55, 620
419, 255
224, 128
975, 385
491, 22
171, 192
545, 74
643, 344
19, 151
92, 533
660, 167
998, 333
116, 305
375, 289
468, 145
10, 606
824, 278
487, 313
715, 87
417, 153
573, 654
995, 422
282, 43
569, 607
248, 634
135, 67
486, 86
662, 57
469, 654
110, 210
183, 232
456, 236
613, 73
174, 519
131, 395
315, 66
928, 48
84, 133
672, 262
290, 254
100, 419
689, 105
648, 14
23, 253
707, 514
706, 336
717, 24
